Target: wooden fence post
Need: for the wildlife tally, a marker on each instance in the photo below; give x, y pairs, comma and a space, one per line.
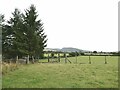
48, 58
89, 60
105, 60
27, 60
58, 57
52, 56
17, 59
33, 60
65, 57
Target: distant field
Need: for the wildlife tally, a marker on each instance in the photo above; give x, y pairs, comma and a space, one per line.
61, 54
61, 75
85, 59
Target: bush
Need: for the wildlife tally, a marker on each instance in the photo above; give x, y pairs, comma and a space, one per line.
94, 51
52, 54
82, 53
73, 54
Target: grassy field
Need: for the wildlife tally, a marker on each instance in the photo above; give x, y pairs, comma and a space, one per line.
56, 55
61, 75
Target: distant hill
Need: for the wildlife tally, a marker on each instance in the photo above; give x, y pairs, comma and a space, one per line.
70, 49
65, 49
52, 49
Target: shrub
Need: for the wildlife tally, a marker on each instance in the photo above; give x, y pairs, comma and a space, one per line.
72, 54
82, 53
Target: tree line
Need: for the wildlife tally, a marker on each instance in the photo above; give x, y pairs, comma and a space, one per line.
23, 35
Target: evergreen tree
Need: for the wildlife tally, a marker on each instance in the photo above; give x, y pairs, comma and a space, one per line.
24, 35
36, 39
6, 40
13, 36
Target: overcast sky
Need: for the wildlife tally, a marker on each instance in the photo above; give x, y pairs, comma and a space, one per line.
84, 24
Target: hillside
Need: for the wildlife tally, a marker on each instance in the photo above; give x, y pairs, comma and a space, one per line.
65, 49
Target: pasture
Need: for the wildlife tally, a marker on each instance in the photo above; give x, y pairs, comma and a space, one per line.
78, 74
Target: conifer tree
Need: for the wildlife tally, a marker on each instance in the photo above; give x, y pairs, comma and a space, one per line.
23, 35
36, 39
13, 36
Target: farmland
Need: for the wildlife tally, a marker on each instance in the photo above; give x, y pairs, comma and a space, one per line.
78, 74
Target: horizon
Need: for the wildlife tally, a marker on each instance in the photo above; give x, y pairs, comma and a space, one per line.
80, 49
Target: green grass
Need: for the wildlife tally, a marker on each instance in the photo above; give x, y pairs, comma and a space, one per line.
61, 75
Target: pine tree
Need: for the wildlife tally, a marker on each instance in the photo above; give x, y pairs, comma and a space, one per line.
23, 35
36, 39
13, 36
6, 41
